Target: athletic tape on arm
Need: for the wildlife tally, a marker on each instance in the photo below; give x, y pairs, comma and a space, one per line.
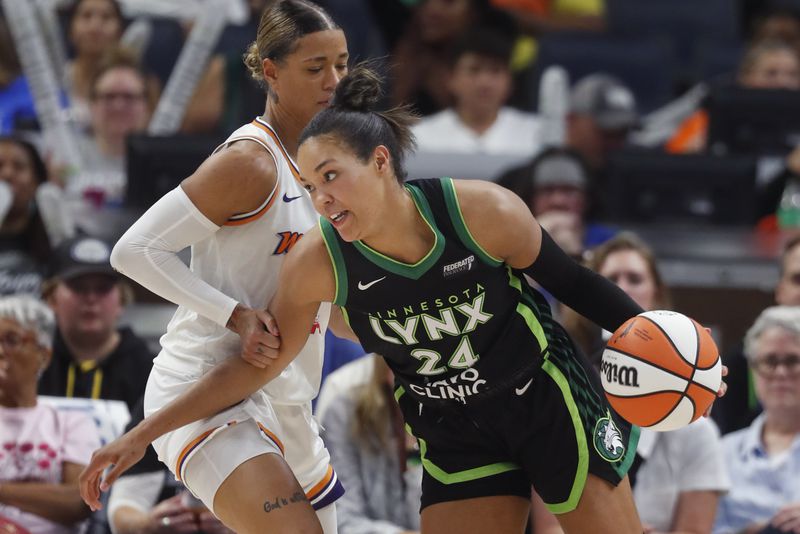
147, 253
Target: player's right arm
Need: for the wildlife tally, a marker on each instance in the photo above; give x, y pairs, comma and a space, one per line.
237, 179
306, 280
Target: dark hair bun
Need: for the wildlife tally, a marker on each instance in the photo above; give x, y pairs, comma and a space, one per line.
360, 90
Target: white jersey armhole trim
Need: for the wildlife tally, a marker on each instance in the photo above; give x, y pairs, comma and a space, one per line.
245, 215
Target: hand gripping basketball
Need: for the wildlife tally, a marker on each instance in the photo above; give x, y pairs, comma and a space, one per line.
661, 370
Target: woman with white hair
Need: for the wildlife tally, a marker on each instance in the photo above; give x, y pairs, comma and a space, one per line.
42, 450
764, 459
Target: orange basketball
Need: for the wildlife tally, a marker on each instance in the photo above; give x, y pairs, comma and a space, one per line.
661, 370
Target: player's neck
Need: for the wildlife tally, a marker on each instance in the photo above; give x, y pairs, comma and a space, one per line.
285, 124
405, 236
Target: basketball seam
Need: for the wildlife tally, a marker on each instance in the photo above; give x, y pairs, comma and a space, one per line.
669, 412
680, 355
697, 358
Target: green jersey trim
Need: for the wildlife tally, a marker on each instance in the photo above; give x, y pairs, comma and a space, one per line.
459, 476
457, 218
582, 470
337, 261
415, 271
526, 309
630, 453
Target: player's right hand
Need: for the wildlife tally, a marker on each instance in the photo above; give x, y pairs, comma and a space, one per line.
259, 333
122, 453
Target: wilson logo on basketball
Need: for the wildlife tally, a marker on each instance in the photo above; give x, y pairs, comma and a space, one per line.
288, 240
620, 374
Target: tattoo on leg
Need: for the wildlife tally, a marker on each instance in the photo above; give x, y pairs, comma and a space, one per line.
280, 502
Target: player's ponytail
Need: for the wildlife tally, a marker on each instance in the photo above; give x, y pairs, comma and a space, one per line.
353, 118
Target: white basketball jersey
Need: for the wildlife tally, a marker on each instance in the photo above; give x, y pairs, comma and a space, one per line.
242, 259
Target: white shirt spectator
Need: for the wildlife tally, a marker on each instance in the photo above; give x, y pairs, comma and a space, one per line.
687, 459
513, 133
762, 484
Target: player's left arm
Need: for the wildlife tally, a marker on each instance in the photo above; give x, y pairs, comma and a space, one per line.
504, 227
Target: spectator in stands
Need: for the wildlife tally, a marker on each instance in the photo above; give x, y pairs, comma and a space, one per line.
148, 499
421, 59
602, 114
43, 450
763, 460
767, 64
24, 243
92, 356
678, 476
376, 459
556, 186
479, 122
94, 26
119, 105
740, 406
628, 262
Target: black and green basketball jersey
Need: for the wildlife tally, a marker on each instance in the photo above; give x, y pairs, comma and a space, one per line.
457, 326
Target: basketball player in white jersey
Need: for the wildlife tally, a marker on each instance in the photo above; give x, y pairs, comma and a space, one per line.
260, 465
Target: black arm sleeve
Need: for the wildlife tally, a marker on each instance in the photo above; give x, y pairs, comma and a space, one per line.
583, 290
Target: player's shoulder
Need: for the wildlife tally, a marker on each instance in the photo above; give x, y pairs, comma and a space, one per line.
486, 199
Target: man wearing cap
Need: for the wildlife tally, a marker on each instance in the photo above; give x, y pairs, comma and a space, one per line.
556, 185
602, 112
92, 356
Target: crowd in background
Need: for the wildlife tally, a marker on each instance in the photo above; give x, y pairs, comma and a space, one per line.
547, 95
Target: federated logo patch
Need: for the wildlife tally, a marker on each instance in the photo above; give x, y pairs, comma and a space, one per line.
608, 439
458, 267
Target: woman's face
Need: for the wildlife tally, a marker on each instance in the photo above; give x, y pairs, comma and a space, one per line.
344, 190
95, 27
16, 169
630, 271
776, 365
305, 79
118, 103
21, 357
777, 69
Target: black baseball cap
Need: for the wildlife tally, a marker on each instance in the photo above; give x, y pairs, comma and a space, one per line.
82, 255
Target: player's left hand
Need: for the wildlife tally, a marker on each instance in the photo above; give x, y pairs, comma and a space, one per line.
723, 388
122, 453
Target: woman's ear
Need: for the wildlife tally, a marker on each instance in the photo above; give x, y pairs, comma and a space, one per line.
45, 357
383, 161
270, 71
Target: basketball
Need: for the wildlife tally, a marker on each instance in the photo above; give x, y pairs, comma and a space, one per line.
661, 370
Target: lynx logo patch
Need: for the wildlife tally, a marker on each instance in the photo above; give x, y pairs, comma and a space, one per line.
608, 439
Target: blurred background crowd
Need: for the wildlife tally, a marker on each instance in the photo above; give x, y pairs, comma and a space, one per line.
656, 140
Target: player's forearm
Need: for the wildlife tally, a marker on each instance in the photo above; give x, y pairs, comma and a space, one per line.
60, 503
227, 384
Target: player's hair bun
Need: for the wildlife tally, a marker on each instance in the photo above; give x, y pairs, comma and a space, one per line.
360, 90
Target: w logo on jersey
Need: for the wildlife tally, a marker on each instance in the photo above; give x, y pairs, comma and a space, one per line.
288, 240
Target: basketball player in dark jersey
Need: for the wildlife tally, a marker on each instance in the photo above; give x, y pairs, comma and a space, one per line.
431, 274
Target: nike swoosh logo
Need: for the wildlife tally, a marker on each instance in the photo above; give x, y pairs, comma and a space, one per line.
289, 199
521, 391
362, 286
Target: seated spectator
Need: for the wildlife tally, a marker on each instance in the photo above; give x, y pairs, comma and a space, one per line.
767, 64
677, 477
24, 243
479, 122
421, 58
147, 499
602, 114
43, 450
16, 100
628, 262
92, 356
118, 105
740, 406
763, 460
93, 27
556, 185
377, 461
